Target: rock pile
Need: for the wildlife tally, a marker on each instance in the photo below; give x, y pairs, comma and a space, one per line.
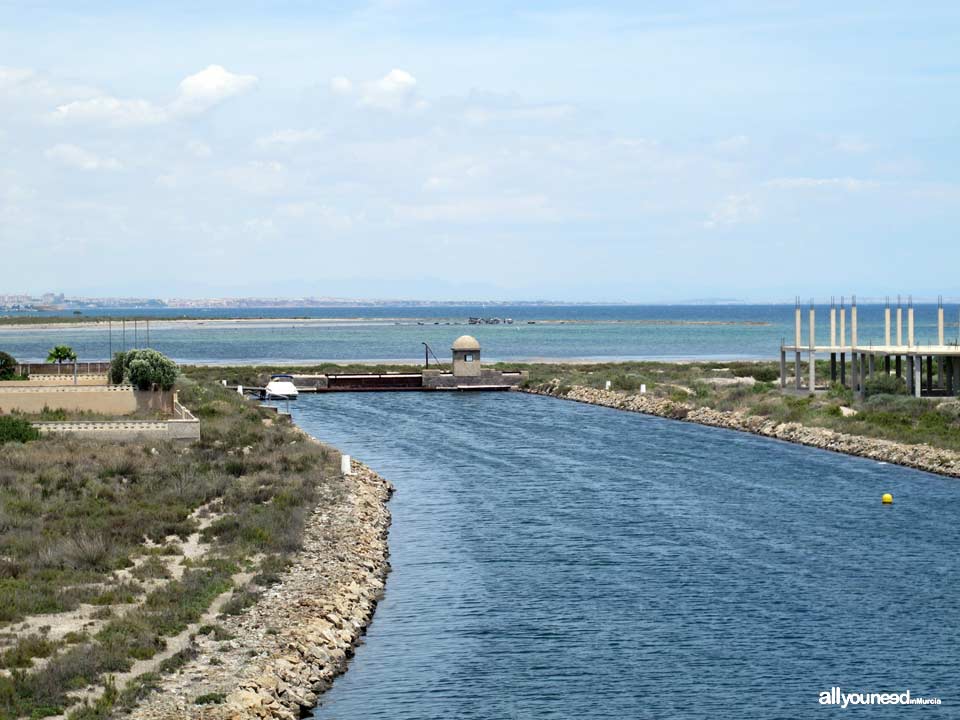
921, 457
287, 649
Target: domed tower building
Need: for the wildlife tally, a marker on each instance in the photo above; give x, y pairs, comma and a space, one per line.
466, 357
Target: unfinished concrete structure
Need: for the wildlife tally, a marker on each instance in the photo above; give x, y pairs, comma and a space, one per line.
931, 369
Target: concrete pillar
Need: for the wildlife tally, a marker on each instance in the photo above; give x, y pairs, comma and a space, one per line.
956, 374
929, 373
940, 379
813, 327
910, 376
813, 370
833, 326
899, 361
783, 368
886, 364
917, 384
843, 324
910, 325
843, 368
854, 372
796, 368
863, 371
798, 338
899, 324
871, 364
853, 323
948, 376
886, 325
940, 324
833, 367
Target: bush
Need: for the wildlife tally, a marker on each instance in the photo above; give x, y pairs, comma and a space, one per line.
146, 368
118, 368
8, 366
883, 384
14, 429
841, 392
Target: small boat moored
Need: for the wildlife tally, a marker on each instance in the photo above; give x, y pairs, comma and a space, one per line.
281, 387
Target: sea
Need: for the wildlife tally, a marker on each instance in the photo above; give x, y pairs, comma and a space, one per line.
524, 333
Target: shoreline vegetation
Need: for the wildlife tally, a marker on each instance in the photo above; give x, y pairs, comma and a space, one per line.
247, 554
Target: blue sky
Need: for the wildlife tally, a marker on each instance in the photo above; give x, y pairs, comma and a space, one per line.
577, 151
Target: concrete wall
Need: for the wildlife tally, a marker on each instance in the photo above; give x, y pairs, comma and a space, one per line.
103, 400
47, 380
486, 376
183, 430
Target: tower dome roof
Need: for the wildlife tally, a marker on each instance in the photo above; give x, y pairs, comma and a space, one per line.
466, 342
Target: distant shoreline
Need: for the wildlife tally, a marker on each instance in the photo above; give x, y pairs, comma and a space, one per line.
38, 324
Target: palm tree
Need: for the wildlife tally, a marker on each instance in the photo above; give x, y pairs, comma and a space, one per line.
61, 353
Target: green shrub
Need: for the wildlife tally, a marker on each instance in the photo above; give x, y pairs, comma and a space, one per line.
8, 366
118, 368
14, 429
146, 368
214, 698
884, 384
841, 392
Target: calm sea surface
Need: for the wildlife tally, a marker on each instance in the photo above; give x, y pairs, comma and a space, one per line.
557, 560
615, 332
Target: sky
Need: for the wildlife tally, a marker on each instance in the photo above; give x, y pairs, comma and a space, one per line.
601, 151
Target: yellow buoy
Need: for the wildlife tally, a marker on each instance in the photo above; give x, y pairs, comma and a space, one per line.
887, 499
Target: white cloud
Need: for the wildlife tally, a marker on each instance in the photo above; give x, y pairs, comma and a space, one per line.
397, 90
199, 149
112, 111
341, 85
77, 157
734, 209
209, 87
197, 94
805, 183
288, 138
24, 83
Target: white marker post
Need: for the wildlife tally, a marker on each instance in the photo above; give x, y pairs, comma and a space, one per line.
345, 465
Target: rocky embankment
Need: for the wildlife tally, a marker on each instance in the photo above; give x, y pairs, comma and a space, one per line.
277, 657
921, 457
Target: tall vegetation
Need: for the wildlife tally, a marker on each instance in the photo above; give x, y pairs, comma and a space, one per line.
144, 368
8, 366
61, 353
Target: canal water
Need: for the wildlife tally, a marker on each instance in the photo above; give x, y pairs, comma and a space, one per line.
558, 560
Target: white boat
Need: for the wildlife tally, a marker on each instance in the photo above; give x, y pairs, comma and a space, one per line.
281, 387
